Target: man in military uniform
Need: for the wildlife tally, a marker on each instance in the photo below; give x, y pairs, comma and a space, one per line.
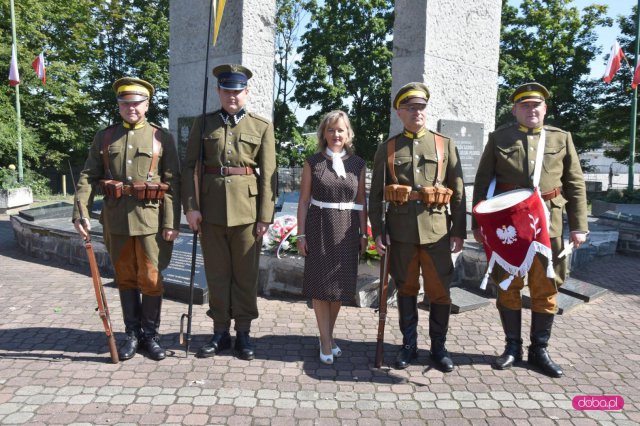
133, 162
232, 206
422, 232
509, 156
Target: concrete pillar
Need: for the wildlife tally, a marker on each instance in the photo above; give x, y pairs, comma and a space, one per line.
247, 37
452, 46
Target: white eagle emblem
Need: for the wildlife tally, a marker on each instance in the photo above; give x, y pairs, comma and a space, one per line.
507, 234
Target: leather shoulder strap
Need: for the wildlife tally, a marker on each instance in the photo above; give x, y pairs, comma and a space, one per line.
439, 157
157, 146
391, 159
107, 140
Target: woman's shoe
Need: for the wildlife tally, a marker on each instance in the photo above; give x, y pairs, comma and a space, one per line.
336, 351
326, 359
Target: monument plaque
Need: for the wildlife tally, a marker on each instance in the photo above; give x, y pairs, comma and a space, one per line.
468, 138
178, 273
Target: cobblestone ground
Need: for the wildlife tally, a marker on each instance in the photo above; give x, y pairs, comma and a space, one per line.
55, 366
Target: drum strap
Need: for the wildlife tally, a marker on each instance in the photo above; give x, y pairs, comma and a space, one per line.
537, 171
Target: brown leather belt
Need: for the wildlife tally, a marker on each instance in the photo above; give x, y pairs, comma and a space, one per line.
546, 196
415, 195
228, 171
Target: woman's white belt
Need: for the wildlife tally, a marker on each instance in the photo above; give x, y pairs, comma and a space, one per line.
339, 206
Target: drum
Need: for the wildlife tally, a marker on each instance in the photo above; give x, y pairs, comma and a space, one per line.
514, 227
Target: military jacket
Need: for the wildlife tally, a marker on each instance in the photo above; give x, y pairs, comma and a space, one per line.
237, 199
130, 156
510, 156
415, 165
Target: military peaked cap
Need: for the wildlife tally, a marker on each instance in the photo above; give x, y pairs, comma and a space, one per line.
412, 93
529, 92
232, 76
130, 89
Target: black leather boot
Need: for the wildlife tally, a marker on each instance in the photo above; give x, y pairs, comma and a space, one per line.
408, 313
538, 353
220, 341
243, 347
438, 327
151, 308
512, 326
131, 309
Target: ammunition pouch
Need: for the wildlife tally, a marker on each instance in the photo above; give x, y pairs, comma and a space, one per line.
138, 190
155, 190
435, 196
397, 194
111, 188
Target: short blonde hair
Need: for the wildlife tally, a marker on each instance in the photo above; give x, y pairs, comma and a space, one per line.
330, 118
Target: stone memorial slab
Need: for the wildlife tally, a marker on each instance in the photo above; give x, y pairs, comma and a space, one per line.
289, 203
178, 273
468, 138
184, 128
566, 303
582, 290
51, 211
461, 301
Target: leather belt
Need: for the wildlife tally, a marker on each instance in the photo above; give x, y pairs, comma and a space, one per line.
415, 195
546, 196
339, 206
228, 171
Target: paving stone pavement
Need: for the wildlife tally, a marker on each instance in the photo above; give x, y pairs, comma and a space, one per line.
55, 366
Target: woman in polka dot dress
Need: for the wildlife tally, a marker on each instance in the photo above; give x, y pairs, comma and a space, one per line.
332, 225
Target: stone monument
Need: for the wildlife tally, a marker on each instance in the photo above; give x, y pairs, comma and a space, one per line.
247, 37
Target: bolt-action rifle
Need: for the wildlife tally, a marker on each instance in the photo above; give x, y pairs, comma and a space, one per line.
383, 288
103, 308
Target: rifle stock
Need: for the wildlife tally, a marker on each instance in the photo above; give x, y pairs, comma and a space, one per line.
383, 291
103, 308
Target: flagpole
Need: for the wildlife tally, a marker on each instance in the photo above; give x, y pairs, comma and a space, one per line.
15, 46
634, 109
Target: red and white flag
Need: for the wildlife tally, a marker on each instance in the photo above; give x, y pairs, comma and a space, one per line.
38, 65
14, 76
636, 78
613, 64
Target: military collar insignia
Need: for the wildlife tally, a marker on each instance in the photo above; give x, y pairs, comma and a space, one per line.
227, 118
135, 126
412, 135
528, 130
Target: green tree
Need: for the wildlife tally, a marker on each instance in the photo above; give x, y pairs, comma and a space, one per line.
552, 43
289, 16
613, 115
346, 64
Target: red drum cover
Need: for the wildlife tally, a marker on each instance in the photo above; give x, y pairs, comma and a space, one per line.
514, 227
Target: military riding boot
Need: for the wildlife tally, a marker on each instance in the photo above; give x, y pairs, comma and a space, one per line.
243, 347
151, 308
220, 341
512, 326
438, 327
538, 353
408, 313
131, 311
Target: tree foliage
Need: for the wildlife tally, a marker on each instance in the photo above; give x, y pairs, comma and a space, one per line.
550, 42
87, 45
345, 64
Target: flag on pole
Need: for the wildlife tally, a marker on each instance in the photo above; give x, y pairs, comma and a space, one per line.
636, 77
613, 64
14, 75
38, 65
218, 19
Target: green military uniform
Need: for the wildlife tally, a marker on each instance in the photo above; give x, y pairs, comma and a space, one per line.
510, 156
231, 203
504, 157
419, 233
132, 228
